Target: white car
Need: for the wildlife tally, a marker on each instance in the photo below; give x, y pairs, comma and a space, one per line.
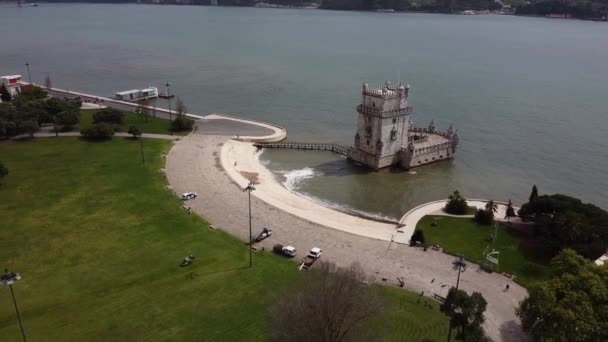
315, 253
289, 251
189, 195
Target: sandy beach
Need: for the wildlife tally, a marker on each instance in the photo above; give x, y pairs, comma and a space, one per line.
204, 162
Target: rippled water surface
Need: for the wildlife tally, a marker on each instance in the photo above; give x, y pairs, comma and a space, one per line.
528, 95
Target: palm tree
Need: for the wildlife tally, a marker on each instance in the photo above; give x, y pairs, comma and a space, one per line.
491, 206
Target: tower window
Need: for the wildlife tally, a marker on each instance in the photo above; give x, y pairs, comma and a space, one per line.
367, 142
394, 120
393, 134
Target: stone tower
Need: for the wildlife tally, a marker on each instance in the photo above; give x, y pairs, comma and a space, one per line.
383, 125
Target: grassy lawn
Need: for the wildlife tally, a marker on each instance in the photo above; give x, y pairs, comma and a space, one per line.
462, 235
98, 239
152, 125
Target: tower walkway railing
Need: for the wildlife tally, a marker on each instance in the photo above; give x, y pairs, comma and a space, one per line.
339, 149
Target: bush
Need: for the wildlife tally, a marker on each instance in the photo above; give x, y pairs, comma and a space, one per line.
418, 236
68, 119
109, 115
134, 131
101, 131
483, 216
457, 205
182, 124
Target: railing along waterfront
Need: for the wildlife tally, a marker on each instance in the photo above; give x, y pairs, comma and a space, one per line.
339, 149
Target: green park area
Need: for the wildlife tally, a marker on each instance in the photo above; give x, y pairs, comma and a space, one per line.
147, 124
458, 235
98, 240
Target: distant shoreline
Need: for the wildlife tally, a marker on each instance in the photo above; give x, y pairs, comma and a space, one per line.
265, 5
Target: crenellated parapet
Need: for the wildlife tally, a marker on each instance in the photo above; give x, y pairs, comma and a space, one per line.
386, 91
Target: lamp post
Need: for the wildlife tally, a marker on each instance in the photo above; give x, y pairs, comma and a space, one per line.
250, 187
29, 76
169, 99
8, 278
461, 266
141, 146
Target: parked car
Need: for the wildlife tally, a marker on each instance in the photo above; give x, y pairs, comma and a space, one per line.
263, 235
189, 195
288, 251
314, 255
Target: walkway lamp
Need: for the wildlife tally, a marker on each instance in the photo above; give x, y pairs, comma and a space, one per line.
8, 278
29, 76
141, 146
169, 100
250, 187
461, 266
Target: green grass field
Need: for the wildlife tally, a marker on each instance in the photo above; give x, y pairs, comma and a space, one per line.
98, 239
462, 235
152, 125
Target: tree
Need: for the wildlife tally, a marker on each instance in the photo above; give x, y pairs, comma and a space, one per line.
418, 236
534, 193
8, 114
181, 124
100, 131
180, 107
27, 126
47, 82
484, 217
109, 115
5, 96
134, 131
562, 221
456, 205
330, 304
3, 170
30, 93
510, 211
67, 119
572, 305
492, 207
465, 312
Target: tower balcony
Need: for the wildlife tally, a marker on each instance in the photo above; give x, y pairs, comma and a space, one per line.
384, 113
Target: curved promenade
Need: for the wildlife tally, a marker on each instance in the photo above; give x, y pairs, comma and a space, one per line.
411, 218
196, 163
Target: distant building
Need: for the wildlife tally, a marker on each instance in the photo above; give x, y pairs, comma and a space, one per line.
385, 135
12, 83
137, 94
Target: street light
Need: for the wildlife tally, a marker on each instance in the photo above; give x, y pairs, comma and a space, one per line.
29, 76
461, 266
169, 99
141, 145
8, 278
250, 187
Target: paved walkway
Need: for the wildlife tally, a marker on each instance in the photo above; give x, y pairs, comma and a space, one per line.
411, 218
195, 164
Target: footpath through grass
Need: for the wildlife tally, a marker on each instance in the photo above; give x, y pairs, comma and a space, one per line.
149, 125
463, 235
98, 240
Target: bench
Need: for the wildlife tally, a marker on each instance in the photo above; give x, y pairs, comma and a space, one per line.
439, 298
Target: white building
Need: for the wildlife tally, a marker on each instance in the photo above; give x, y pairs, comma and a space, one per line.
12, 83
137, 94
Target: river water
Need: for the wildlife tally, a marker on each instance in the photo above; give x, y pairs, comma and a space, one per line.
527, 95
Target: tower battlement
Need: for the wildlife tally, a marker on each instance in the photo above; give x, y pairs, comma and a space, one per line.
386, 91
